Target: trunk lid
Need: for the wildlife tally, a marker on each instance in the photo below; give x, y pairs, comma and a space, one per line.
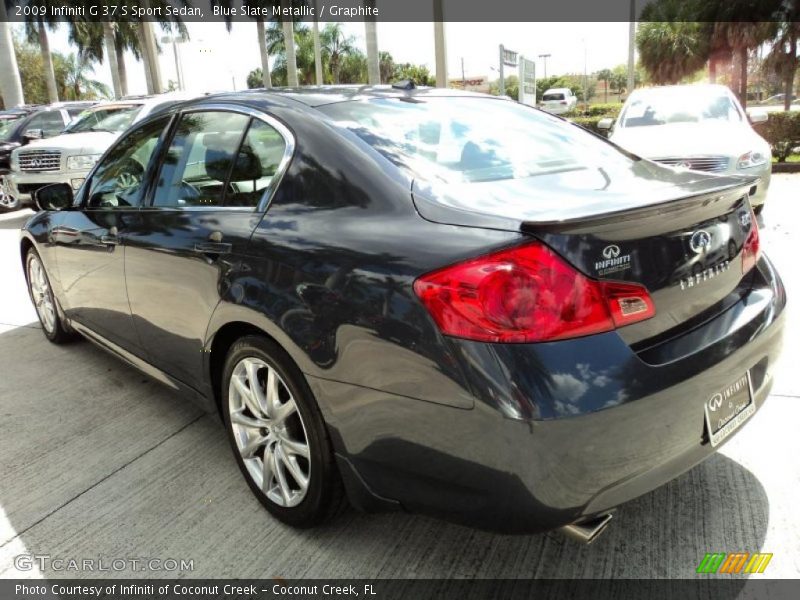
679, 234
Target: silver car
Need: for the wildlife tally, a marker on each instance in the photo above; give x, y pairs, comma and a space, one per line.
697, 127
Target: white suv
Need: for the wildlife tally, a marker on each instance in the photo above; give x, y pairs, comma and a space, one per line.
557, 101
69, 157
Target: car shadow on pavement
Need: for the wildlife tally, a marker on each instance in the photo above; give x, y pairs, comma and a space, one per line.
100, 461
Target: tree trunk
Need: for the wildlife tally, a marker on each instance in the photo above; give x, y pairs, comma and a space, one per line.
10, 82
288, 41
317, 52
735, 74
122, 70
262, 48
373, 59
111, 53
743, 77
712, 69
47, 63
142, 35
790, 69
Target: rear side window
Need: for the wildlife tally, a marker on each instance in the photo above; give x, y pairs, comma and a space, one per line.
51, 123
200, 160
256, 165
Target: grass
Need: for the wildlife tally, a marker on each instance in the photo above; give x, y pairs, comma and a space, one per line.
792, 158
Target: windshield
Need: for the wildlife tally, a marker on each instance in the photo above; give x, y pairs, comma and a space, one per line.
459, 140
115, 119
553, 97
679, 105
7, 125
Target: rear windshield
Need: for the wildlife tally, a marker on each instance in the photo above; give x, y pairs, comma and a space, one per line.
471, 139
553, 97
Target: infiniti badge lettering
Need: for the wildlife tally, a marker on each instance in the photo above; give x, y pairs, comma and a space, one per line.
613, 260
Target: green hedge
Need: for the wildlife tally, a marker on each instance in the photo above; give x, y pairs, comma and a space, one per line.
589, 123
782, 131
595, 110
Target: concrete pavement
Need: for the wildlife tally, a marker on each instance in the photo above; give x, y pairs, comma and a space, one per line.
98, 461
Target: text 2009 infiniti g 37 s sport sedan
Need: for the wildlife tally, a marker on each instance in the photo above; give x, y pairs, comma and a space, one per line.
421, 299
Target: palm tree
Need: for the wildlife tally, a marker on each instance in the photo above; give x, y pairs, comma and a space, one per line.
317, 49
10, 82
36, 31
387, 67
605, 75
783, 59
670, 51
74, 84
288, 36
125, 39
373, 59
336, 45
96, 42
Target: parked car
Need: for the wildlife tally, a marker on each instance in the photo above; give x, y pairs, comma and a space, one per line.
557, 101
69, 157
387, 295
698, 127
19, 126
779, 99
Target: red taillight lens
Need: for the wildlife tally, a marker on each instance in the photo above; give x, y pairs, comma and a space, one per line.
752, 247
527, 294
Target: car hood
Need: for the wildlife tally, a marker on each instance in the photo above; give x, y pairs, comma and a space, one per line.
87, 142
689, 139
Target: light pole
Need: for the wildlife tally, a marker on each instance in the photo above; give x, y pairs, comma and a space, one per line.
544, 58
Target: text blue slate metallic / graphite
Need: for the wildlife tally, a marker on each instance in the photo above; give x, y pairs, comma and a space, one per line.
419, 299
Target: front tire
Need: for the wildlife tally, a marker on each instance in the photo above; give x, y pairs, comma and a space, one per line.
44, 300
278, 435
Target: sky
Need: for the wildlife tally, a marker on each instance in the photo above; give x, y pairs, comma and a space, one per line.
215, 60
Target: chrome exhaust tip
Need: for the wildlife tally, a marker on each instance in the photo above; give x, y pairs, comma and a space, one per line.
587, 531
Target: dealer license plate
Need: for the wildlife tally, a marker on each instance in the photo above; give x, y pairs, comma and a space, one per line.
729, 408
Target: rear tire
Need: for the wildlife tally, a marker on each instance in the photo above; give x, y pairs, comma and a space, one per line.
278, 435
44, 300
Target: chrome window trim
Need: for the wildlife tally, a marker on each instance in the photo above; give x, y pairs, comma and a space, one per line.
283, 165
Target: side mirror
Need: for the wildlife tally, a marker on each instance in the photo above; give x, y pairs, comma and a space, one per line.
56, 196
33, 134
758, 116
605, 123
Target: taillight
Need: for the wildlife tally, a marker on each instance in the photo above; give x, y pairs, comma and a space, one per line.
527, 294
752, 247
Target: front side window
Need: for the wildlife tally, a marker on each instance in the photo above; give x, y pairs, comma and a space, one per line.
117, 181
459, 140
200, 160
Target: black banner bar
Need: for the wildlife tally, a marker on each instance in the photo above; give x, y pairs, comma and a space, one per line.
396, 10
701, 588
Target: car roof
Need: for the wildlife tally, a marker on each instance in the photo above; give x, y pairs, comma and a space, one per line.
313, 96
561, 89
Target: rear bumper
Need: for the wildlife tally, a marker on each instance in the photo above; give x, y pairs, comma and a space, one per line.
558, 431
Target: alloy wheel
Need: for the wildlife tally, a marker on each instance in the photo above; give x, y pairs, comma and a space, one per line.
42, 294
269, 432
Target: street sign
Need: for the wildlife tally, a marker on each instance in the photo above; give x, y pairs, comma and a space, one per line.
527, 81
509, 57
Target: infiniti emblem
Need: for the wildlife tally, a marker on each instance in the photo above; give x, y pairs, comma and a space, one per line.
715, 402
700, 241
684, 165
36, 163
611, 251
